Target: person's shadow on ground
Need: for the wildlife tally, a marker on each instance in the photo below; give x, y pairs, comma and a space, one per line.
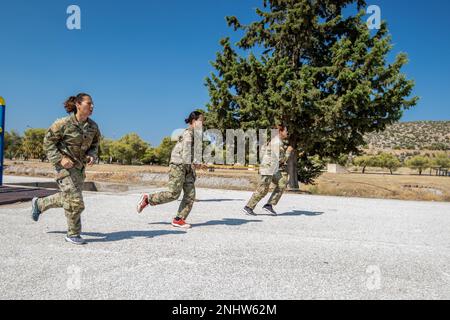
295, 213
223, 222
123, 235
217, 200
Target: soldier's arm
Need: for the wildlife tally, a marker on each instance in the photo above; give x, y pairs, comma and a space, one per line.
197, 155
52, 137
93, 150
187, 148
287, 154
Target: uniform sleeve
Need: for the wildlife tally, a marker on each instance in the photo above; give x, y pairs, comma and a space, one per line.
197, 151
285, 159
187, 146
51, 140
93, 150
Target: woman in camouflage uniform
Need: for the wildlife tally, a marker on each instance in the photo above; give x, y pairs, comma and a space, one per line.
71, 143
273, 169
181, 175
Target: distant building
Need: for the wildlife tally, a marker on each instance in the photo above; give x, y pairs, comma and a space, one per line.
336, 168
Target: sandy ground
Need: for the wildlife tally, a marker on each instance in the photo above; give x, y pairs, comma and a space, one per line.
317, 248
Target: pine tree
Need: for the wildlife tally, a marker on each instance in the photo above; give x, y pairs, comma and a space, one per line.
323, 74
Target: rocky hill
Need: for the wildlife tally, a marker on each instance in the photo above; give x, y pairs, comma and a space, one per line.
420, 135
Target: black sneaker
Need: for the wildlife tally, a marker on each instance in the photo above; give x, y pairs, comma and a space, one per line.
76, 240
35, 212
249, 211
269, 209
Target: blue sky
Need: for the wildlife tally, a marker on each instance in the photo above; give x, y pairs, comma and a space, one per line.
145, 62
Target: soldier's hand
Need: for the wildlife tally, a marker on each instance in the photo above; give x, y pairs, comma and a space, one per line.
66, 163
290, 149
196, 166
91, 160
200, 166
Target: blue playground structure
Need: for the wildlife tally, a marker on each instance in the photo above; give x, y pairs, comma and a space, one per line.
2, 136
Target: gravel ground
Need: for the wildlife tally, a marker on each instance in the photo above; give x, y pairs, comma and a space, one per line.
317, 248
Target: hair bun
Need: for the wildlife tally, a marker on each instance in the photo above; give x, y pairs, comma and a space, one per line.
195, 115
70, 103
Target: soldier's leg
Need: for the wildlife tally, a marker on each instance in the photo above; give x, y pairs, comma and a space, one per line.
261, 191
188, 195
280, 179
73, 213
175, 185
55, 200
50, 202
73, 201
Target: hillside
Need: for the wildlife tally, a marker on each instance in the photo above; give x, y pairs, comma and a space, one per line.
420, 135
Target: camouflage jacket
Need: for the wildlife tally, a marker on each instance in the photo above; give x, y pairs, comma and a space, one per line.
272, 162
183, 152
77, 141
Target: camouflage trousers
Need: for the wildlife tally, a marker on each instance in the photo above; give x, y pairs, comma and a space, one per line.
280, 179
70, 198
181, 178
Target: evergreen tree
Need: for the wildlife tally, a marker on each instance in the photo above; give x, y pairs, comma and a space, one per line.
310, 67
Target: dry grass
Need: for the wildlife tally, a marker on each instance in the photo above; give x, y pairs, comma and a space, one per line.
386, 186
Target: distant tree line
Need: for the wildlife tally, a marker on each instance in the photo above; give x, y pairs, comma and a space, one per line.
28, 146
392, 162
130, 149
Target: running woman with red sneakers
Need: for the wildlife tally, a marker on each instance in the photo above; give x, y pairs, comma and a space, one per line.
181, 175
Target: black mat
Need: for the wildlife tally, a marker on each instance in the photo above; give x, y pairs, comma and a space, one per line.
9, 194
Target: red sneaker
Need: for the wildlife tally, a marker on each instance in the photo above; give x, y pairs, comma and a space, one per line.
181, 224
143, 203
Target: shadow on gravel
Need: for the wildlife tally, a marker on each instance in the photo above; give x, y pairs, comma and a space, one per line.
223, 222
296, 213
123, 235
218, 200
302, 213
